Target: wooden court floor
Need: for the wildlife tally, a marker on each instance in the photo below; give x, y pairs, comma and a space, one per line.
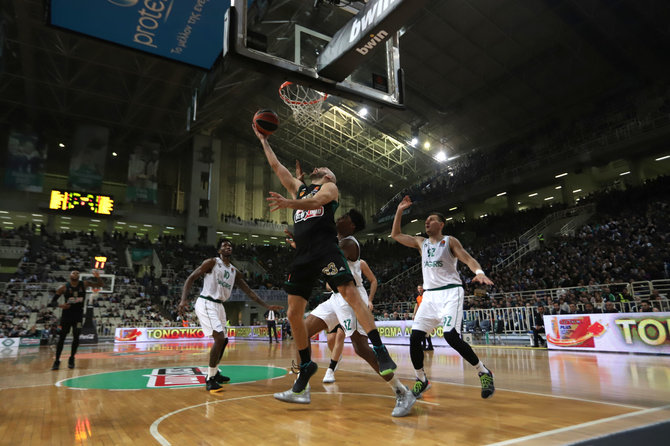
542, 398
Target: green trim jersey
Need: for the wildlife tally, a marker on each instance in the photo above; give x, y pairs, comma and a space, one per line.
218, 283
314, 230
355, 266
438, 264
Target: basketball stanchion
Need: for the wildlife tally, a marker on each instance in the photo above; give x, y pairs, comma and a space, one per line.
304, 102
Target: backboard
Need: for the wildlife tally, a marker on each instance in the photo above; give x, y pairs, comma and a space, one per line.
298, 40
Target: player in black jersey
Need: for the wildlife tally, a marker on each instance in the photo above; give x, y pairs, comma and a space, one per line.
317, 253
74, 292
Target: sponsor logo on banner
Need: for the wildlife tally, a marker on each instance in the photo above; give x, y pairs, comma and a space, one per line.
574, 331
374, 10
648, 330
175, 333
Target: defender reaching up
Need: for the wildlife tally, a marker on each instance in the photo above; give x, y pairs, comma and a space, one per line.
443, 294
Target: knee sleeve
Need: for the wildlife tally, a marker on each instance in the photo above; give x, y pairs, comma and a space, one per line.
455, 341
415, 348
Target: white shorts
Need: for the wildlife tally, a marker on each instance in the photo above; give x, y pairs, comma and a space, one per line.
212, 316
442, 307
336, 310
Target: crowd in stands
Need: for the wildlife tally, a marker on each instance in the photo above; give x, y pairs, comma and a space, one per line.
617, 117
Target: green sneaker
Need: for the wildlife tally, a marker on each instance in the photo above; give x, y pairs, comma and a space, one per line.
487, 384
420, 387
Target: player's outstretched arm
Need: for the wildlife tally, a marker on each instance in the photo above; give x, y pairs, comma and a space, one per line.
396, 230
461, 254
367, 272
325, 195
203, 269
244, 286
287, 180
54, 299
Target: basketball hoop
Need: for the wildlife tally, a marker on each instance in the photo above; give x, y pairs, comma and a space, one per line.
304, 102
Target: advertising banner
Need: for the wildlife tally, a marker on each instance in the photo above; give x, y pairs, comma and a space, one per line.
87, 164
26, 159
9, 347
610, 332
189, 31
172, 334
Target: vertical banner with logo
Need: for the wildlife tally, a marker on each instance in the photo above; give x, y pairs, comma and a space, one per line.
87, 165
26, 160
143, 174
190, 31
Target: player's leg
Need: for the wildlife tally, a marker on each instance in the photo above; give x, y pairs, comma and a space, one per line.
64, 330
452, 317
405, 399
76, 331
365, 319
212, 317
424, 322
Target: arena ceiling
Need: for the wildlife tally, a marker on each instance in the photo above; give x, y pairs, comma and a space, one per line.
478, 73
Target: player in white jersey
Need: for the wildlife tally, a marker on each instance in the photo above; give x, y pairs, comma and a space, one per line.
442, 302
336, 311
220, 277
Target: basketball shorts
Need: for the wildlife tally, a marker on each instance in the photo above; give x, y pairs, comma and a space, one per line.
303, 275
440, 307
212, 316
336, 310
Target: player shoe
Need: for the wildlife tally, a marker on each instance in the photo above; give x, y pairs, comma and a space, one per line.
289, 396
330, 376
404, 401
306, 372
70, 363
221, 379
386, 364
56, 365
420, 387
487, 384
212, 386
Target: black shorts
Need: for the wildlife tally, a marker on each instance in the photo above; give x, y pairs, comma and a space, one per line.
303, 275
337, 327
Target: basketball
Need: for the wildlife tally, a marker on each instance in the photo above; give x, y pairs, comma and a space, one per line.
266, 121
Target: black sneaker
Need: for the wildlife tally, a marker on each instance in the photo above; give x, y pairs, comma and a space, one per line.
56, 365
70, 363
420, 387
212, 386
306, 372
386, 364
219, 378
487, 384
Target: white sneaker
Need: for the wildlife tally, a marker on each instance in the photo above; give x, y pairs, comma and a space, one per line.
290, 396
403, 403
330, 376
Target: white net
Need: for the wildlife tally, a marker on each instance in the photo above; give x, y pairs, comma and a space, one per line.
305, 103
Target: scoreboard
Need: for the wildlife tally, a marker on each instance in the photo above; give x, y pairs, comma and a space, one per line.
81, 203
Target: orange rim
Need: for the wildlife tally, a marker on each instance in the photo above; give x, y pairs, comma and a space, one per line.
290, 101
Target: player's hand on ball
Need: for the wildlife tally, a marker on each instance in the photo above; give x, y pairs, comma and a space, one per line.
276, 201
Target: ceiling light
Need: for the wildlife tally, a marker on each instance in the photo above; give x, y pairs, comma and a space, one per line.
518, 202
533, 194
557, 187
501, 194
36, 215
273, 238
452, 157
6, 217
235, 233
4, 212
450, 218
453, 209
564, 174
169, 227
254, 235
390, 185
418, 233
147, 226
61, 145
414, 142
363, 112
114, 154
132, 226
123, 223
548, 198
441, 156
663, 158
370, 233
624, 173
426, 145
576, 190
66, 218
416, 219
95, 220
